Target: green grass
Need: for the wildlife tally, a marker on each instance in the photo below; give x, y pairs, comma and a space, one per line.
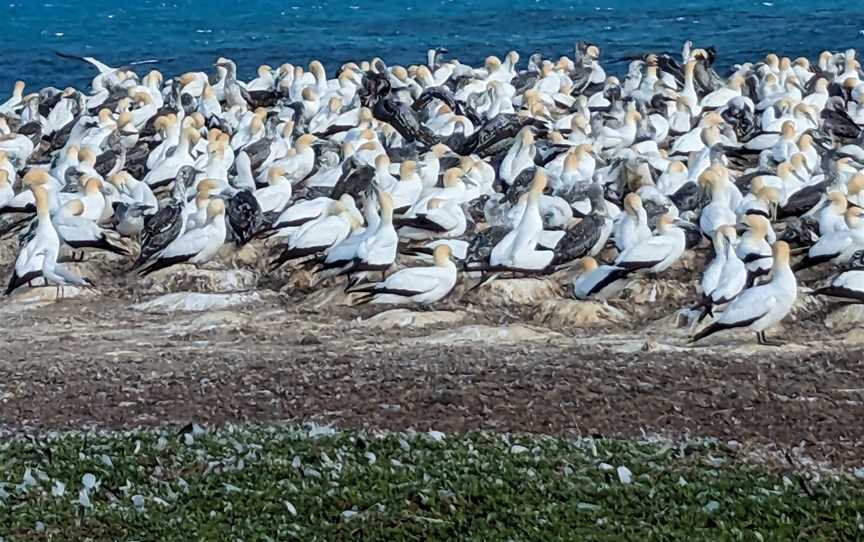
258, 483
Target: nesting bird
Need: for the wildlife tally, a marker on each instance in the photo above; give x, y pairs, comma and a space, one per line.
371, 168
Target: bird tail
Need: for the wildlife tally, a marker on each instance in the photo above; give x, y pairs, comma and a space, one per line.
710, 330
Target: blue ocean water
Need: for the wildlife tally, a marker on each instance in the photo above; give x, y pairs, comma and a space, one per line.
191, 34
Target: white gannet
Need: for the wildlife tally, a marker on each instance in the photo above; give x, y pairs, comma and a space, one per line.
717, 213
760, 307
847, 285
38, 258
754, 249
599, 281
658, 253
518, 250
197, 246
422, 285
79, 232
838, 246
631, 227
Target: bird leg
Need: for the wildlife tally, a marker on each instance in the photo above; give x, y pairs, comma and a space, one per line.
761, 339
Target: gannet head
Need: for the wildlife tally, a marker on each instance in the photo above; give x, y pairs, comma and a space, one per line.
665, 222
838, 201
784, 170
757, 185
758, 224
75, 207
787, 130
728, 232
305, 141
632, 202
40, 195
588, 264
709, 179
87, 156
382, 162
275, 175
407, 169
798, 161
452, 177
439, 150
769, 194
385, 200
856, 183
677, 168
92, 186
206, 186
441, 254
35, 177
538, 184
118, 180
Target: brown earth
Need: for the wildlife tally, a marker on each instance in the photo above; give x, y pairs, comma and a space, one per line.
513, 356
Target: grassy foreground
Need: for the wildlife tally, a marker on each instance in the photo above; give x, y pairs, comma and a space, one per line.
257, 483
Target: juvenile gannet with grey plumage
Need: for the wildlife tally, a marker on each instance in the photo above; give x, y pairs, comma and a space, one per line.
761, 307
38, 258
422, 285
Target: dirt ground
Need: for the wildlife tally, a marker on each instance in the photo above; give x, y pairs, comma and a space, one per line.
529, 361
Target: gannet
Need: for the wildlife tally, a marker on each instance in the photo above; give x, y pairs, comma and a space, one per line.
837, 247
78, 231
318, 235
197, 246
518, 249
38, 258
422, 285
658, 253
719, 212
760, 307
599, 281
848, 285
631, 227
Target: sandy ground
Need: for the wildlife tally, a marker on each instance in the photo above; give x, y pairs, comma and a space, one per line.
513, 356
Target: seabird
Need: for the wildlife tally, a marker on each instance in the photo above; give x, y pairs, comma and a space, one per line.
421, 285
848, 285
197, 246
760, 307
38, 257
599, 281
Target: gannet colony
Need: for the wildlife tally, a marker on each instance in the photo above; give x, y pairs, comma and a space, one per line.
397, 182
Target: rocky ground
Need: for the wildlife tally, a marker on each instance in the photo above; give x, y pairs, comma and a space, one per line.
217, 346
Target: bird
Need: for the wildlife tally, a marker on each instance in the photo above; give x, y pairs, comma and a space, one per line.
761, 307
197, 246
599, 281
38, 257
848, 285
420, 285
